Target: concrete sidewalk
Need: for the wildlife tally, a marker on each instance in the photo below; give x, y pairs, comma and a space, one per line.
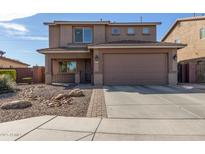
48, 128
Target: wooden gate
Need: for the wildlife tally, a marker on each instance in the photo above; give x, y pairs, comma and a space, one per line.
37, 74
200, 72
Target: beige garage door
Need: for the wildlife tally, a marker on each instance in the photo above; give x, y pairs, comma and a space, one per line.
134, 69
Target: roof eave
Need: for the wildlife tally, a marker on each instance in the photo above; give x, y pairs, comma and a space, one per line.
139, 23
101, 23
169, 30
156, 47
41, 51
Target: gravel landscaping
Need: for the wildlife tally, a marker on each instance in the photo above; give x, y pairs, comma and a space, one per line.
46, 100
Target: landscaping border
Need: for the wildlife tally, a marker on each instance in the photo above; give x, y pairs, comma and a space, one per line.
97, 107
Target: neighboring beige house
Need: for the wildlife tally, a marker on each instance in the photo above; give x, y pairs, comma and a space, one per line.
10, 63
191, 59
108, 53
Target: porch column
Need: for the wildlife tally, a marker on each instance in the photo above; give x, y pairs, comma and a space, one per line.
48, 71
97, 69
77, 77
172, 68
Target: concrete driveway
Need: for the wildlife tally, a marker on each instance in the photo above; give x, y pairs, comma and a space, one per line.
154, 102
153, 113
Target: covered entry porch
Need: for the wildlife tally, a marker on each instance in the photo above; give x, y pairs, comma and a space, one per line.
71, 70
65, 66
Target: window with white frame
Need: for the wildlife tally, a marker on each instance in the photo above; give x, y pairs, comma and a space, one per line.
146, 30
130, 31
83, 35
115, 31
202, 33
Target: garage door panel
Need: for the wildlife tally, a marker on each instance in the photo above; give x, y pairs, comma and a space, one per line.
126, 69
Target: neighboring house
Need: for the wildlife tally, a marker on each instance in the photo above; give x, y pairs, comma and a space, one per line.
10, 63
191, 59
108, 53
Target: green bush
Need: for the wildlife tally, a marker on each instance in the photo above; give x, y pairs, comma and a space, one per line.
10, 72
6, 83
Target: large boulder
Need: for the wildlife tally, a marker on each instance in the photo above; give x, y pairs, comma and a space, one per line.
19, 104
76, 93
60, 96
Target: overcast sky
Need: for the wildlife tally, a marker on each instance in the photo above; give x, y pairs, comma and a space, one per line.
21, 37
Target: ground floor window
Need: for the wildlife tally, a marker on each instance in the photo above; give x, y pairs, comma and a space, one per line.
68, 66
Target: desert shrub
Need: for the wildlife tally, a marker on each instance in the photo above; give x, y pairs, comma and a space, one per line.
10, 72
7, 84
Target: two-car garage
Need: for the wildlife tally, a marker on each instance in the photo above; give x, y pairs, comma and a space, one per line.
135, 68
135, 63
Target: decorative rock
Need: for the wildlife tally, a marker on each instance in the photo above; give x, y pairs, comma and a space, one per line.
68, 101
76, 93
60, 96
19, 104
57, 104
41, 86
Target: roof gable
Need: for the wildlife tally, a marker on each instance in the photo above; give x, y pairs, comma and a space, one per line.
180, 20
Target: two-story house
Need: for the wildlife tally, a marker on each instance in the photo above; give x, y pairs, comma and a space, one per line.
108, 53
191, 59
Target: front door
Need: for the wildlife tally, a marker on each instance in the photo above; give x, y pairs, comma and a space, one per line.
88, 70
85, 73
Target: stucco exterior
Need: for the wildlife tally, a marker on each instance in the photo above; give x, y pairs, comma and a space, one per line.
137, 36
190, 58
188, 32
62, 35
90, 58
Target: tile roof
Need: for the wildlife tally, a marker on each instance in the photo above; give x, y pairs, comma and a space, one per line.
138, 43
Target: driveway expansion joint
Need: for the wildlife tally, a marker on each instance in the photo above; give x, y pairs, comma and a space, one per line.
96, 129
35, 128
65, 130
84, 137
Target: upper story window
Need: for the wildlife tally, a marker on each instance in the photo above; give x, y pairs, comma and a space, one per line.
202, 33
177, 41
83, 35
115, 31
146, 30
130, 31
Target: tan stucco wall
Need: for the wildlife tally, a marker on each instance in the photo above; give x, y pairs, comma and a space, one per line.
99, 33
124, 36
54, 36
7, 64
62, 35
98, 65
65, 35
188, 32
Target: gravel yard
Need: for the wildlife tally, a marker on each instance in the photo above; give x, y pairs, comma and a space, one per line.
41, 96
